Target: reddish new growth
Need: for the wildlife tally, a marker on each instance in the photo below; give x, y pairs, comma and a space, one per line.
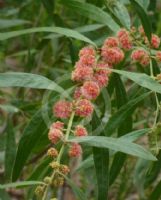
84, 108
57, 125
82, 73
80, 131
140, 56
55, 135
111, 42
158, 56
90, 90
87, 51
112, 55
75, 150
77, 93
155, 41
62, 109
125, 39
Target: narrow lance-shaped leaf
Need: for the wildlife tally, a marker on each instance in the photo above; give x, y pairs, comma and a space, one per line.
144, 18
21, 184
153, 171
142, 80
101, 162
78, 193
63, 31
115, 144
122, 14
117, 118
32, 132
92, 12
8, 23
125, 127
156, 194
134, 135
19, 79
130, 137
10, 151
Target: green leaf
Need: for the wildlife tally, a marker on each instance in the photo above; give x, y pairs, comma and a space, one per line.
139, 175
125, 127
143, 17
101, 162
80, 195
21, 184
117, 118
40, 169
134, 135
4, 195
89, 28
153, 171
10, 150
144, 3
19, 79
8, 23
115, 144
63, 31
9, 108
30, 136
49, 6
142, 80
122, 14
87, 163
92, 12
156, 194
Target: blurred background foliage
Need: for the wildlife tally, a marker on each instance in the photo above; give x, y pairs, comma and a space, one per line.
53, 56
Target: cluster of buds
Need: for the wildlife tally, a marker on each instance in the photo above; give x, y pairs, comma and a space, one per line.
142, 54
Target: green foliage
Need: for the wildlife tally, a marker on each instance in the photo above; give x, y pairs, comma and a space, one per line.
40, 42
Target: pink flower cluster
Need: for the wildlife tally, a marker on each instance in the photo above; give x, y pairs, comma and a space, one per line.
91, 74
56, 134
140, 56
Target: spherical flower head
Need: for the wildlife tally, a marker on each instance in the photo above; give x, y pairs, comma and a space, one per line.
55, 165
52, 152
39, 191
57, 125
77, 93
62, 109
64, 169
103, 69
112, 55
80, 131
84, 108
111, 42
158, 56
55, 135
58, 181
101, 80
75, 150
81, 74
87, 51
90, 90
87, 60
155, 41
140, 56
124, 39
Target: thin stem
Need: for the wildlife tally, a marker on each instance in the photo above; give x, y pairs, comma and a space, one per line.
157, 105
60, 152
